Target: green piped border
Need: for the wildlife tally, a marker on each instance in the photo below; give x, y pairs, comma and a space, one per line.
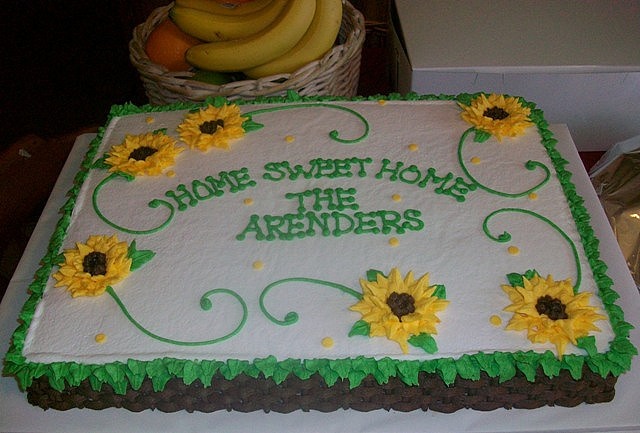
122, 375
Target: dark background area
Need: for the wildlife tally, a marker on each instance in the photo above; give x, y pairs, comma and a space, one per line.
65, 63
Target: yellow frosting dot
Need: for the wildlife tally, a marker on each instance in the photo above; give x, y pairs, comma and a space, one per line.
171, 173
381, 102
475, 160
258, 264
495, 320
150, 119
248, 201
533, 196
514, 251
327, 342
289, 138
394, 242
396, 197
100, 338
413, 147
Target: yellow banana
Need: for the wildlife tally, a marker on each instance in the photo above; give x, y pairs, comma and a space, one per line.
214, 27
275, 40
318, 39
214, 7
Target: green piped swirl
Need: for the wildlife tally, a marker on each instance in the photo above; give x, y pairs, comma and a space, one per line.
152, 204
529, 165
333, 134
292, 317
506, 236
205, 304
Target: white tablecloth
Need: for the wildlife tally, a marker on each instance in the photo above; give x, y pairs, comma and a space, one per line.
623, 414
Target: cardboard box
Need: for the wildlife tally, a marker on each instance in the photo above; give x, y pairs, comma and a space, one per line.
579, 60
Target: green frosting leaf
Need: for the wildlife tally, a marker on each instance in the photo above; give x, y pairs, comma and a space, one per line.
516, 280
209, 369
440, 292
315, 365
191, 372
301, 372
386, 369
355, 378
360, 328
266, 366
139, 257
527, 363
467, 367
252, 371
487, 364
465, 98
447, 370
599, 364
249, 125
341, 366
372, 275
115, 378
551, 365
588, 344
135, 372
424, 341
429, 367
574, 364
76, 373
232, 368
285, 368
481, 136
329, 375
367, 366
408, 372
101, 164
506, 366
158, 373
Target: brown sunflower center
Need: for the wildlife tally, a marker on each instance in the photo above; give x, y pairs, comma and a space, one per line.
552, 307
496, 113
401, 304
141, 153
95, 263
211, 126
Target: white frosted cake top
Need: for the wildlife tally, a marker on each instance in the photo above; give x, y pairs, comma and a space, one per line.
212, 244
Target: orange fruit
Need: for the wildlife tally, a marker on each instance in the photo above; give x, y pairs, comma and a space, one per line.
167, 44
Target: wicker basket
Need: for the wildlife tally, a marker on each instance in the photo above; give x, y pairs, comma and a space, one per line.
334, 74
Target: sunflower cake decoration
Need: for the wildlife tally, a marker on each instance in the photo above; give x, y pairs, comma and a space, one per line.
401, 309
212, 127
148, 154
496, 115
549, 311
100, 262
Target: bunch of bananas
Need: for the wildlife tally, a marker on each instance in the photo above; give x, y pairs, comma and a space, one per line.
259, 38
